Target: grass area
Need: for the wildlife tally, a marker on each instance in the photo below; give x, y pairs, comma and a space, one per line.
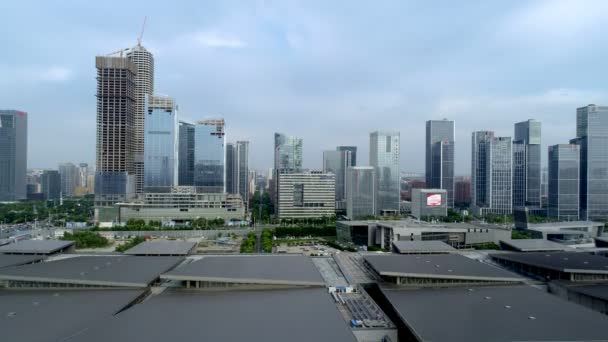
486, 246
520, 234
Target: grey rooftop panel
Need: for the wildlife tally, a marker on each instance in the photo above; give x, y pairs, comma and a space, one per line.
571, 262
295, 315
162, 247
7, 260
449, 266
131, 271
35, 246
531, 245
497, 313
254, 269
42, 316
423, 247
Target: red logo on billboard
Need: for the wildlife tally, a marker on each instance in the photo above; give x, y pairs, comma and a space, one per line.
433, 200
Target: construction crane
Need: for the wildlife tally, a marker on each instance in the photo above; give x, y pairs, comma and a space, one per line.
118, 52
141, 34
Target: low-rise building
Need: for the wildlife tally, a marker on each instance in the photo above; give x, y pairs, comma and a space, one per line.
568, 232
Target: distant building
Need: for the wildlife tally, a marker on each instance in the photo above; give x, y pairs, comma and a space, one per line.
360, 185
526, 164
231, 167
115, 177
592, 136
564, 181
186, 154
337, 162
462, 192
13, 155
161, 144
440, 157
287, 153
50, 181
209, 156
491, 174
306, 195
237, 169
429, 203
384, 156
353, 153
70, 177
143, 61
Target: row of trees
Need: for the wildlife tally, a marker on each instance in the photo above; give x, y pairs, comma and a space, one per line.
72, 210
86, 239
248, 244
326, 231
267, 240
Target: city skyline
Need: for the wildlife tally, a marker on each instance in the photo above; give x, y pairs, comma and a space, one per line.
226, 43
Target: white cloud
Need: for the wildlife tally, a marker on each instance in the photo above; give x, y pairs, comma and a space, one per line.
218, 40
56, 74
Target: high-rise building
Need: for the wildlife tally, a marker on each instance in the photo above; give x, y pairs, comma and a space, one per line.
50, 181
13, 155
526, 164
306, 195
592, 136
242, 172
144, 85
186, 154
209, 156
564, 179
353, 153
384, 157
160, 144
462, 192
440, 157
491, 174
231, 169
360, 192
69, 178
287, 153
337, 162
115, 176
83, 173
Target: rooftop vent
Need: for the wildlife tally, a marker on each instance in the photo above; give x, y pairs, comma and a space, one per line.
11, 314
531, 317
507, 306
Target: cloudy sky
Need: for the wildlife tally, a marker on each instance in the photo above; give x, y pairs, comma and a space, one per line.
328, 71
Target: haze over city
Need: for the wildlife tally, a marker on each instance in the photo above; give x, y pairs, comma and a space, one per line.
329, 72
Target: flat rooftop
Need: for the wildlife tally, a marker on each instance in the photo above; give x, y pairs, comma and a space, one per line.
42, 315
35, 247
162, 247
251, 269
570, 262
7, 260
120, 271
415, 247
440, 266
533, 245
295, 315
564, 224
497, 313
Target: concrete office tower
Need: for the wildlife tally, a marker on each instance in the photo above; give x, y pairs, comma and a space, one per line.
384, 157
144, 85
69, 178
305, 195
491, 178
526, 164
353, 153
160, 144
564, 179
237, 169
592, 136
337, 162
287, 153
440, 157
13, 155
115, 176
50, 181
209, 156
360, 192
186, 154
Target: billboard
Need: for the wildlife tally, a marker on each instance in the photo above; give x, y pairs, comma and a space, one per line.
433, 200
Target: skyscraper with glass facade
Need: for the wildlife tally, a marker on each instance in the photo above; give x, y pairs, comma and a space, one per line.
564, 179
13, 155
50, 184
231, 169
491, 174
440, 157
592, 136
287, 153
144, 85
186, 154
237, 169
115, 176
527, 164
160, 144
209, 156
337, 162
384, 156
360, 192
69, 178
353, 153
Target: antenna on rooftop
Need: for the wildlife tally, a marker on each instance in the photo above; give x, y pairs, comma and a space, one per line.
141, 34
